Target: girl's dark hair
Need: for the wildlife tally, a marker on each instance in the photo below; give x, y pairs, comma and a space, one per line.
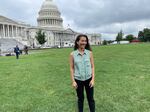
77, 40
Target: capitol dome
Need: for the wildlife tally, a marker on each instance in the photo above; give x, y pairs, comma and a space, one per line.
49, 16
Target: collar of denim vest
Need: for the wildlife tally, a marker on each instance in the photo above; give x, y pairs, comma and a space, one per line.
78, 52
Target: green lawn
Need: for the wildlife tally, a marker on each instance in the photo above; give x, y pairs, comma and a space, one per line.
41, 82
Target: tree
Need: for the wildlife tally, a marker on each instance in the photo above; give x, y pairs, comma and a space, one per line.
104, 42
141, 36
110, 41
40, 36
119, 36
130, 37
144, 35
147, 34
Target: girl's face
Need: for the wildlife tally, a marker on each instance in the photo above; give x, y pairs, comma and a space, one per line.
82, 42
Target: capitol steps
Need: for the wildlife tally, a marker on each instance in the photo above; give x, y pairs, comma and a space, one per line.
7, 45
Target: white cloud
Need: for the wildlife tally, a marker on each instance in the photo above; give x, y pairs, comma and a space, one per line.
101, 16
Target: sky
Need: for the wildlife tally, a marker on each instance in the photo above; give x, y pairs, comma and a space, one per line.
106, 17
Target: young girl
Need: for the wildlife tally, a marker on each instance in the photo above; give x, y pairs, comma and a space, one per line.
82, 72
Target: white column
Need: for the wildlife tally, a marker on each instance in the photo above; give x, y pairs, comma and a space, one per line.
16, 32
20, 31
25, 33
0, 31
12, 31
8, 31
3, 30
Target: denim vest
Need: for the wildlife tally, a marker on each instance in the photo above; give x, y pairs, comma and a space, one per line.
82, 65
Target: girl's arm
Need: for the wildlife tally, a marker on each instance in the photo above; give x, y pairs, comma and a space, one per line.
74, 84
93, 69
71, 67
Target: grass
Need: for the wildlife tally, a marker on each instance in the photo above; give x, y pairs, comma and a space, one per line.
41, 82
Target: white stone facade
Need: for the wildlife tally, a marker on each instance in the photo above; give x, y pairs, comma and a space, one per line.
49, 16
13, 30
50, 22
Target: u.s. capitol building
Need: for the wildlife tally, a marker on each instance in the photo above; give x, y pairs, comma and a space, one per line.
49, 21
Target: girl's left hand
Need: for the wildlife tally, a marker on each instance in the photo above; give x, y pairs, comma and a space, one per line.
91, 83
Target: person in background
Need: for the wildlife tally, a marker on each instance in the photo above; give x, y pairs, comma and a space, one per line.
17, 51
26, 49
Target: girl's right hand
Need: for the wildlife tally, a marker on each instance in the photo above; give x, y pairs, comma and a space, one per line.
74, 85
